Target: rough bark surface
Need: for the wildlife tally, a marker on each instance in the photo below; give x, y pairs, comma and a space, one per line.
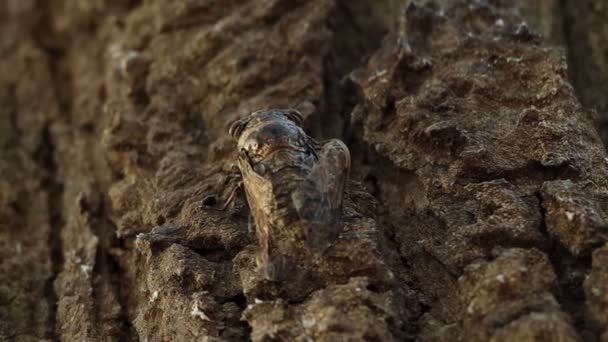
477, 208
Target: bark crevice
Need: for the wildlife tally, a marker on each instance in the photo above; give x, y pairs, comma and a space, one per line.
50, 181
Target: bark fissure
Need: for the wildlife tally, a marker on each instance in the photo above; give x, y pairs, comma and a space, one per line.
50, 181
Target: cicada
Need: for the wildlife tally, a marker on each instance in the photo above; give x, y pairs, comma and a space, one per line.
294, 187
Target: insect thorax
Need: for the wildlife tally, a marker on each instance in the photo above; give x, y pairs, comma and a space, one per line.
286, 180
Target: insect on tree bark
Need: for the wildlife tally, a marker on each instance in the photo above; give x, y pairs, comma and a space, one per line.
294, 187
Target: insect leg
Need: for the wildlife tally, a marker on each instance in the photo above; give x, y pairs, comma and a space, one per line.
232, 196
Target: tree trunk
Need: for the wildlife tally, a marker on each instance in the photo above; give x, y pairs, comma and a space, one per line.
477, 207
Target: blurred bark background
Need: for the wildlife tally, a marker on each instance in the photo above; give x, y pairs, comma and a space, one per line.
477, 209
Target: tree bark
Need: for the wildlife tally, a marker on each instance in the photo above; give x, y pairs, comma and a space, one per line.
477, 203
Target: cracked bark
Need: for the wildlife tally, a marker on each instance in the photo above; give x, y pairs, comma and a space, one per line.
478, 200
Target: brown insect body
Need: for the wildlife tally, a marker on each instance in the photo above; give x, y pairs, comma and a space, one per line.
294, 188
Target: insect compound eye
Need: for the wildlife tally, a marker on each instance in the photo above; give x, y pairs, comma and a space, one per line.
260, 169
294, 116
236, 128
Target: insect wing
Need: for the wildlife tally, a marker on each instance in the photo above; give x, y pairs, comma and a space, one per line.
259, 195
319, 198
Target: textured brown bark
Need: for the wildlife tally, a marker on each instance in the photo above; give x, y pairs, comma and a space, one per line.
477, 208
